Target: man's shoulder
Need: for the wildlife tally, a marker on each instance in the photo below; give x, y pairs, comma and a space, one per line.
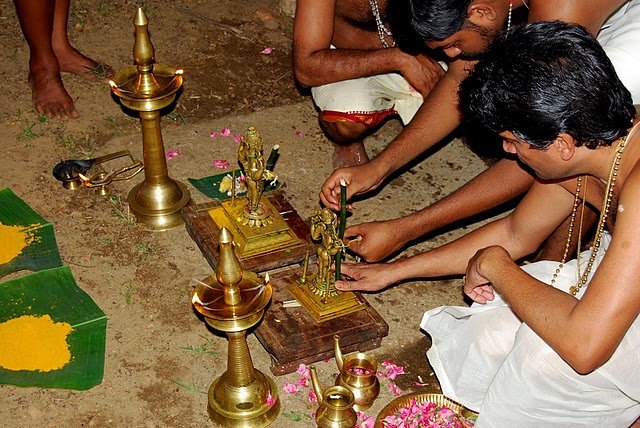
358, 13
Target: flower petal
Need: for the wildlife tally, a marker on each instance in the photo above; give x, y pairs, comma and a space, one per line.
221, 163
172, 154
266, 51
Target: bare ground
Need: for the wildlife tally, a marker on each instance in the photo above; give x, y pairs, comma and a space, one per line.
160, 357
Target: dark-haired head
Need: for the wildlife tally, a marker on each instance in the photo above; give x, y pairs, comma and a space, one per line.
416, 23
547, 78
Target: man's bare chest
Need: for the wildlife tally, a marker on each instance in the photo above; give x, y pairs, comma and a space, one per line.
360, 14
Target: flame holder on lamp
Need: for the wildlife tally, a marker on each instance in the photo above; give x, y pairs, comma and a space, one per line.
233, 301
147, 88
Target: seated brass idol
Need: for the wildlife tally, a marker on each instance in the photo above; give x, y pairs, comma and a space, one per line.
255, 223
318, 294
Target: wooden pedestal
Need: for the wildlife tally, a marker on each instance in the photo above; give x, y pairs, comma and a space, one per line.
291, 336
204, 231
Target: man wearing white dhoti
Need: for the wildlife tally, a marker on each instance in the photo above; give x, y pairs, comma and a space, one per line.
548, 344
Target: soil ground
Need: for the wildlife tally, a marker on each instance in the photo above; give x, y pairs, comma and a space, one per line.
160, 357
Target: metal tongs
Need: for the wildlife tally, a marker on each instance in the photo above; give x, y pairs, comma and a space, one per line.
73, 173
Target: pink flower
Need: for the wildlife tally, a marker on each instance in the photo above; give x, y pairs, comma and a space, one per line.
225, 132
299, 133
394, 388
213, 134
221, 163
266, 51
305, 375
313, 398
237, 138
364, 420
172, 154
303, 370
290, 387
393, 370
270, 401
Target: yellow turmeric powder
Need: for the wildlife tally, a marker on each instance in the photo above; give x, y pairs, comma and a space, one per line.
34, 343
14, 239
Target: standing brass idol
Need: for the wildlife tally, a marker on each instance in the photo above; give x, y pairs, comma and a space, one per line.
251, 158
318, 295
324, 228
256, 224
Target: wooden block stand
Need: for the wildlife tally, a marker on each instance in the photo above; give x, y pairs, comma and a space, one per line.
204, 231
291, 336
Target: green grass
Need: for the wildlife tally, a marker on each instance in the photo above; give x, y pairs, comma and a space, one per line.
121, 211
127, 291
144, 249
204, 349
100, 70
188, 386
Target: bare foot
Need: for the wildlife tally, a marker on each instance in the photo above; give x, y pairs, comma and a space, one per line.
72, 61
49, 95
353, 154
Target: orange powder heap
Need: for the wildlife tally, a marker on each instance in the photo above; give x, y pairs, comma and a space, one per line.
34, 343
14, 239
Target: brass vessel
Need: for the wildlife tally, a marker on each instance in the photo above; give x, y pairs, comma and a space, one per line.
234, 301
335, 408
358, 372
147, 88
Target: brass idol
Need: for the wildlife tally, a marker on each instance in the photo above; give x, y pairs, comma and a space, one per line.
318, 294
257, 226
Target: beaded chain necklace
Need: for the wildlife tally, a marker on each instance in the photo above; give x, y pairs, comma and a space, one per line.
604, 212
511, 10
382, 29
509, 15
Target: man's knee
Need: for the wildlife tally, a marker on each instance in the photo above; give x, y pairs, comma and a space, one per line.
343, 130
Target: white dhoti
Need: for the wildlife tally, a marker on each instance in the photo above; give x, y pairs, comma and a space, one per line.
620, 39
489, 361
368, 99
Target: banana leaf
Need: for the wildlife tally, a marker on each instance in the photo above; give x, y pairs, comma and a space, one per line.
54, 292
210, 186
42, 252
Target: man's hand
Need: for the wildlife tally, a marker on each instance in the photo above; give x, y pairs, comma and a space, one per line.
376, 240
359, 179
477, 285
366, 277
422, 72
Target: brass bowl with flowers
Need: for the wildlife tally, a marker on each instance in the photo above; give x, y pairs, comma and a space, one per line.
422, 398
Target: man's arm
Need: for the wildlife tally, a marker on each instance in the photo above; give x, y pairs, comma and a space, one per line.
381, 239
519, 233
315, 64
437, 118
585, 332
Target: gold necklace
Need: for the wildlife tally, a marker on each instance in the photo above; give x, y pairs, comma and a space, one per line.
604, 212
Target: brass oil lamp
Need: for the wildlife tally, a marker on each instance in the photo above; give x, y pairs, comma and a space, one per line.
233, 301
147, 87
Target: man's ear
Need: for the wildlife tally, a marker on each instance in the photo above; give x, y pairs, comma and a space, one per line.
565, 144
481, 13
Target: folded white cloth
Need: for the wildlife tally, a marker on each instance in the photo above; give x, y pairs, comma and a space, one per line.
488, 360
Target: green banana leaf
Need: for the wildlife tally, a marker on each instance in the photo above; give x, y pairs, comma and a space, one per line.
210, 185
54, 292
42, 253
